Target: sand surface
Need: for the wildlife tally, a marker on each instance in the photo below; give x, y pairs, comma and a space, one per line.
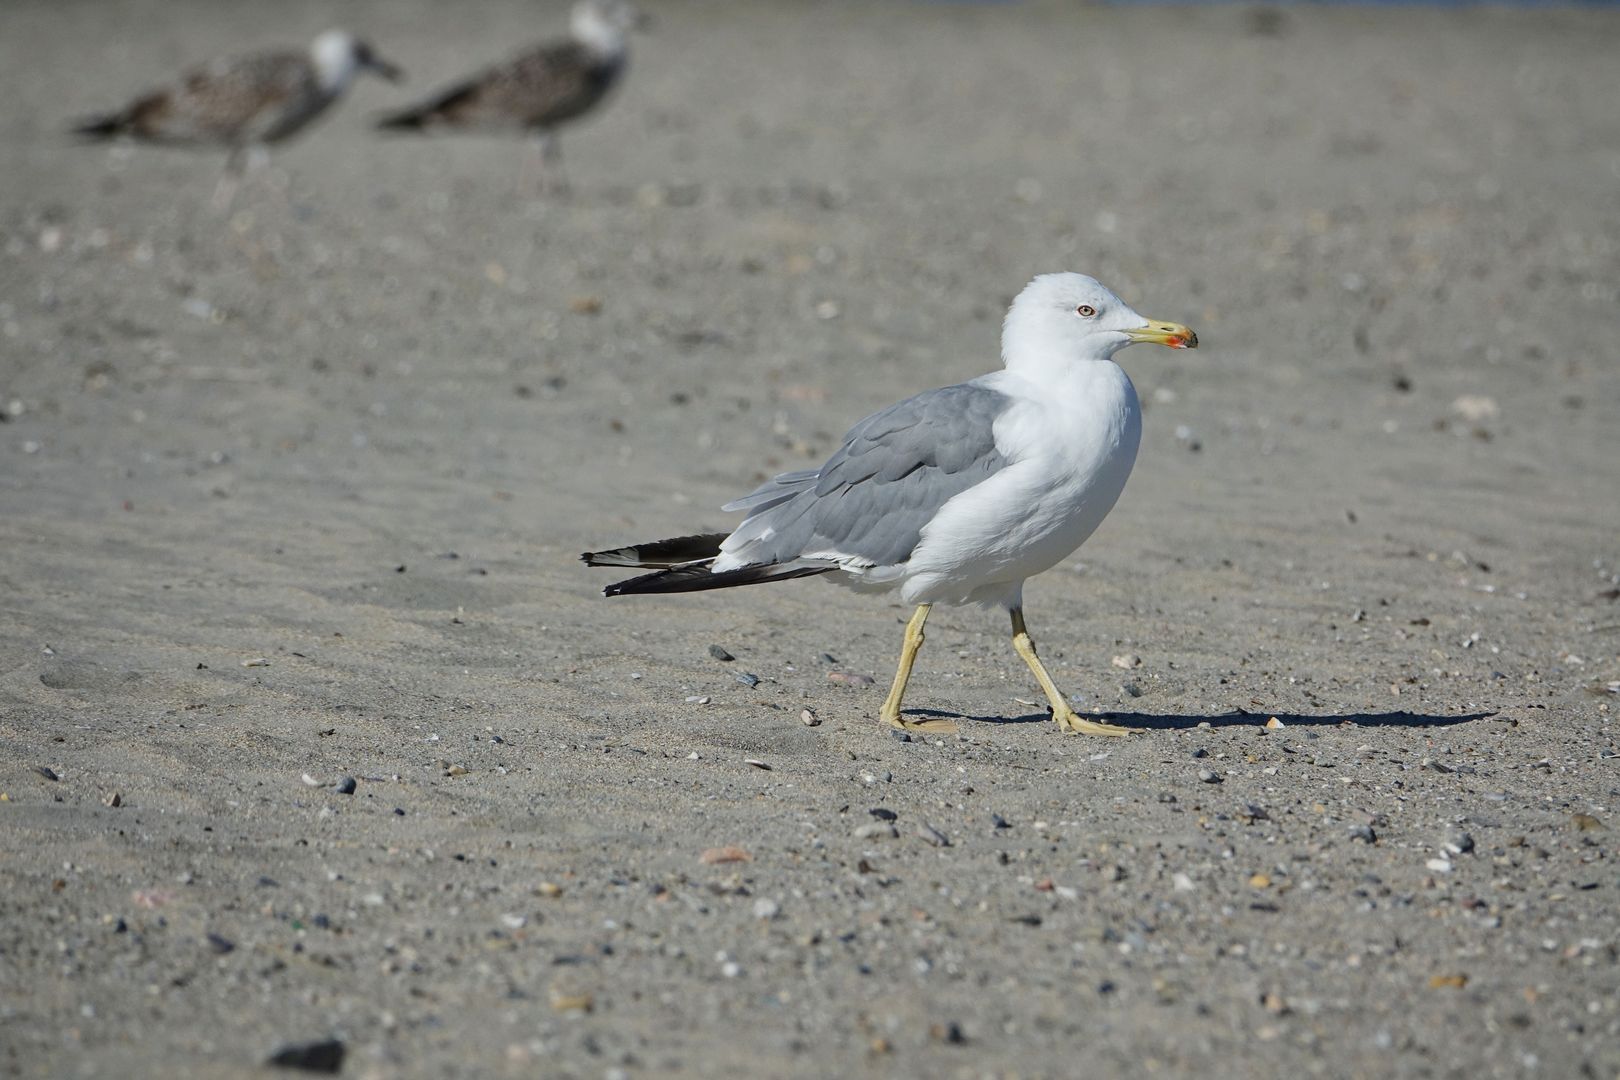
297, 492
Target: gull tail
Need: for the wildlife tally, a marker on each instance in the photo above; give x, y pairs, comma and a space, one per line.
409, 120
424, 114
106, 126
682, 565
660, 554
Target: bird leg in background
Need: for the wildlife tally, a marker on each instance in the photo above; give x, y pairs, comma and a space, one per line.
543, 172
230, 180
908, 655
243, 161
1065, 716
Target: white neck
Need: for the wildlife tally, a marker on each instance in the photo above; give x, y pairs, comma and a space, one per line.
333, 57
593, 30
1039, 351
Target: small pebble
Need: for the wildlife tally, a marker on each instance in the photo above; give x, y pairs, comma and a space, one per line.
932, 835
765, 908
1127, 661
728, 854
47, 772
516, 922
850, 678
113, 799
310, 780
257, 661
719, 653
749, 679
345, 786
221, 945
809, 718
1181, 882
1439, 866
875, 829
899, 736
1458, 842
756, 763
1364, 833
883, 813
998, 822
1209, 776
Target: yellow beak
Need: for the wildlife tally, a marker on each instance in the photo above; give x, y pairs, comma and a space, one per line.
1171, 334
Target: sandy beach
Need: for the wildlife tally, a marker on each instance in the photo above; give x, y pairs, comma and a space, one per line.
295, 494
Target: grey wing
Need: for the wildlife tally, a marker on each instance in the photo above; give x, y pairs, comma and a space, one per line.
870, 502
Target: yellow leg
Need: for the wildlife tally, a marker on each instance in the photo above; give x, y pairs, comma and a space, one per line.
890, 713
1065, 716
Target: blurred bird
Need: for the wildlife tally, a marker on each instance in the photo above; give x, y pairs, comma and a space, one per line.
540, 89
956, 495
245, 102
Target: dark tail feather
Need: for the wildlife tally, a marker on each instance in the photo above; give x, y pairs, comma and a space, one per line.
409, 120
102, 127
697, 578
660, 554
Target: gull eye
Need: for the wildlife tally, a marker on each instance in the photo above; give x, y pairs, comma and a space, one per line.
1085, 311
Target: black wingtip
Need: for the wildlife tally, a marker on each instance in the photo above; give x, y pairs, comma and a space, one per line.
99, 127
405, 121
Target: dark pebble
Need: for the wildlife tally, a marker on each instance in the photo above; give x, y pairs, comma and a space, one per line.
828, 658
899, 736
400, 811
321, 922
1200, 753
1105, 987
883, 813
221, 945
999, 822
1209, 776
1364, 833
748, 678
719, 653
47, 772
345, 786
315, 1057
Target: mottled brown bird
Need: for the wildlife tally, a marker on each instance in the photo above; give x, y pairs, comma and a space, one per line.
244, 103
538, 90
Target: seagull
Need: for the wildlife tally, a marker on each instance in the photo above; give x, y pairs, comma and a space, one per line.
537, 90
956, 495
245, 102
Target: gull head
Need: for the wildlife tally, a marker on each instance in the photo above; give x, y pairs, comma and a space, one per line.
1068, 317
601, 25
339, 56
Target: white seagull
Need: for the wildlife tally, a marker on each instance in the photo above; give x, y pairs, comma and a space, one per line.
956, 495
539, 89
245, 102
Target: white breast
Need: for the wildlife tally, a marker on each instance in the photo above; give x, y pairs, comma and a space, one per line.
1071, 448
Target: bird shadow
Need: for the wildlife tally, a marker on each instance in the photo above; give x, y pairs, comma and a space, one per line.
1235, 718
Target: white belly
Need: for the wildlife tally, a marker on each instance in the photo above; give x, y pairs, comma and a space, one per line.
1072, 453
